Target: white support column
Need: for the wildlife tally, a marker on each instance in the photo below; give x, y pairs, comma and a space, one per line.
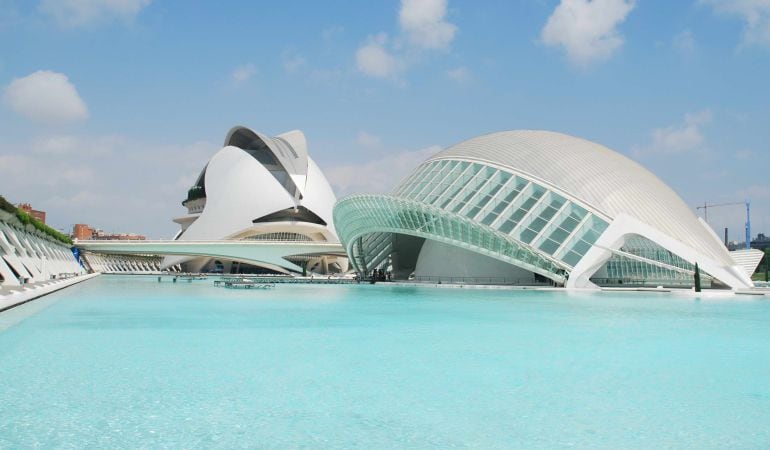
623, 226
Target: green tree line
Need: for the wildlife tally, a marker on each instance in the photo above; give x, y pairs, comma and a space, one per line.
763, 269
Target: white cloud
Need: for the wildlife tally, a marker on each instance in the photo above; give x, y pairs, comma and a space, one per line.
75, 13
459, 74
293, 63
331, 33
244, 73
587, 29
424, 23
46, 97
754, 13
367, 140
684, 42
380, 175
744, 155
423, 28
77, 181
374, 59
56, 145
680, 138
755, 192
69, 145
14, 167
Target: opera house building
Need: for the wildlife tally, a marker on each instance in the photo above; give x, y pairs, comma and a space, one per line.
260, 188
534, 207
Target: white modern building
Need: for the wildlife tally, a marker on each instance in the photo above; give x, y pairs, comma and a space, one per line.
28, 255
265, 189
535, 207
118, 263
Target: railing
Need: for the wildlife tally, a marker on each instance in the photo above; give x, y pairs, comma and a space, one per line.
194, 193
482, 280
646, 282
278, 279
245, 242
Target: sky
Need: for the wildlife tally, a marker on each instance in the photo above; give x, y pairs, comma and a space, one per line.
109, 109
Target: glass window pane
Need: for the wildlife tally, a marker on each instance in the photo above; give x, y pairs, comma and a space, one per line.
549, 246
527, 235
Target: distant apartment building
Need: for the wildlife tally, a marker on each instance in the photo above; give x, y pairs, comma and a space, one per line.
84, 232
761, 242
27, 208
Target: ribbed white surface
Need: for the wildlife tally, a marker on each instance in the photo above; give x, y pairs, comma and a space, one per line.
604, 179
748, 260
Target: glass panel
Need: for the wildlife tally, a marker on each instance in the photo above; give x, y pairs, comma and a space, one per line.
581, 247
489, 218
572, 258
569, 224
443, 181
537, 225
459, 182
548, 213
527, 235
507, 226
549, 246
558, 235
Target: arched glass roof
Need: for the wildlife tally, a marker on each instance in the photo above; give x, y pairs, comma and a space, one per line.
363, 215
606, 181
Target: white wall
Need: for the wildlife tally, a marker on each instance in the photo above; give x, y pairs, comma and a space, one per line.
443, 260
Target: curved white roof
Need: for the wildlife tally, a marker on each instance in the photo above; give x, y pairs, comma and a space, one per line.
602, 178
240, 188
289, 148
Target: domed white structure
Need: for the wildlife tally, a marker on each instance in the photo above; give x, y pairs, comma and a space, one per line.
522, 207
260, 188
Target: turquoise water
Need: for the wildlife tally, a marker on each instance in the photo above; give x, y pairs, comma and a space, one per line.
126, 362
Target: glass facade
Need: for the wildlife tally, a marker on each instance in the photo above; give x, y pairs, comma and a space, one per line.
366, 222
508, 203
671, 270
498, 212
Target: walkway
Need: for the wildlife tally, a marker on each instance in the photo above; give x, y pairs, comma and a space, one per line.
16, 295
263, 253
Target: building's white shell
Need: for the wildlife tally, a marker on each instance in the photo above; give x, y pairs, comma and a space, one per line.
252, 177
453, 198
608, 182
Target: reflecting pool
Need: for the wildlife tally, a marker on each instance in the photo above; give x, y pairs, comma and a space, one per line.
122, 361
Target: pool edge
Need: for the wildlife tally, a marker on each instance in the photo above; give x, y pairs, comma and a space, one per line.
19, 298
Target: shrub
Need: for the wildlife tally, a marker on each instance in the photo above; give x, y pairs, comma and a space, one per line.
26, 219
7, 206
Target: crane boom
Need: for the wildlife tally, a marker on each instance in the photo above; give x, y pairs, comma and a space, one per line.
747, 203
713, 205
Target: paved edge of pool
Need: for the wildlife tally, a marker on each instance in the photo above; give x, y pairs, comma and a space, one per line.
20, 297
672, 291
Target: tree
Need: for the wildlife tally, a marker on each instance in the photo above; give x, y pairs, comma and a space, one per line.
697, 278
767, 264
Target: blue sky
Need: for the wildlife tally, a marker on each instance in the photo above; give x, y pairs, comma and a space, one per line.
111, 107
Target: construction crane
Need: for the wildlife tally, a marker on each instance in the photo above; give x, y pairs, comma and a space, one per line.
747, 203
